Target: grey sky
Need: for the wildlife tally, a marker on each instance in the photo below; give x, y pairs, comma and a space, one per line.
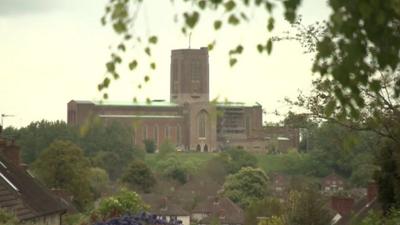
54, 51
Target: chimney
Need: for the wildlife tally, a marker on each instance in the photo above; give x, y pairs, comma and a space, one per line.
372, 191
216, 200
3, 144
342, 205
221, 214
11, 151
164, 205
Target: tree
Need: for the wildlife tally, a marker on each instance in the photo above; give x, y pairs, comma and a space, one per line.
63, 165
344, 151
388, 177
8, 218
246, 186
99, 181
139, 175
166, 148
37, 136
393, 218
173, 168
306, 207
267, 207
124, 202
150, 146
235, 159
356, 34
274, 220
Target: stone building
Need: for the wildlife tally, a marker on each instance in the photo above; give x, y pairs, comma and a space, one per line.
189, 119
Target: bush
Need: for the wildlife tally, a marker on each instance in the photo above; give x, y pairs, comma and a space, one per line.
150, 146
139, 176
143, 218
124, 202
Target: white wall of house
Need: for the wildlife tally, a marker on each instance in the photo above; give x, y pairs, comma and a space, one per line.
185, 219
54, 219
198, 216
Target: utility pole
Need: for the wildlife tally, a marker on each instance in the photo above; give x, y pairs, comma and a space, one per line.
2, 118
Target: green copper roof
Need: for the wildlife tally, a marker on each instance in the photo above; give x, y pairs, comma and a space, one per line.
132, 103
236, 104
142, 116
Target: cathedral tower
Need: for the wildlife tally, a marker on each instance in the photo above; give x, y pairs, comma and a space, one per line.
189, 76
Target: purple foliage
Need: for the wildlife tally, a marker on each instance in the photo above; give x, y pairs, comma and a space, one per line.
139, 219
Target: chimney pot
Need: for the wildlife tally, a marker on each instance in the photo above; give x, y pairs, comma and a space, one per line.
372, 191
342, 205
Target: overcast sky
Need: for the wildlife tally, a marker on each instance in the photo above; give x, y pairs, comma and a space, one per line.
54, 51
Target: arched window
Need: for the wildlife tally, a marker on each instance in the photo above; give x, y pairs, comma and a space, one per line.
202, 124
205, 148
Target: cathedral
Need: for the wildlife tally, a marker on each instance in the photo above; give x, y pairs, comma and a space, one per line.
190, 120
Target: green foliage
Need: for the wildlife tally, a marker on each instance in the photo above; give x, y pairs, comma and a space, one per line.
124, 202
63, 165
306, 207
351, 47
110, 145
173, 168
246, 186
139, 176
273, 220
150, 146
392, 218
37, 136
99, 181
234, 159
166, 148
7, 218
388, 177
344, 151
267, 207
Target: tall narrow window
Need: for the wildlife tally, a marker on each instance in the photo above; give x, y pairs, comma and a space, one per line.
247, 125
144, 132
202, 125
195, 71
166, 132
178, 134
155, 134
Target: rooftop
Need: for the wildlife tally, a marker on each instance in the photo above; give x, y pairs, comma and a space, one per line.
21, 193
157, 103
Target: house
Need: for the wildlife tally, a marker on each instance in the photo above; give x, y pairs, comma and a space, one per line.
23, 195
195, 190
349, 210
279, 182
168, 210
219, 209
332, 183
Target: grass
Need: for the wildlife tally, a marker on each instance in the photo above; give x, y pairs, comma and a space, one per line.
269, 163
197, 158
